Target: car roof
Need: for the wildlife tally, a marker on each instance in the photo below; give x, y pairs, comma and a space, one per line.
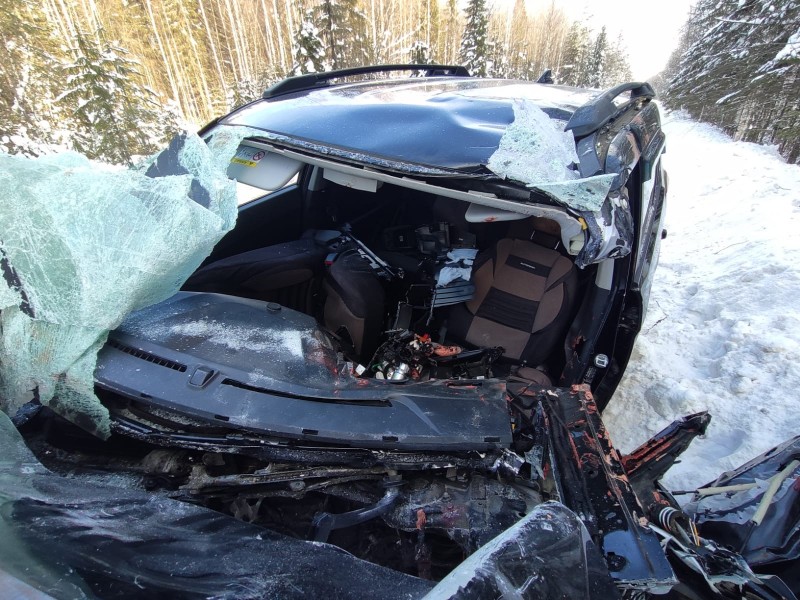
444, 122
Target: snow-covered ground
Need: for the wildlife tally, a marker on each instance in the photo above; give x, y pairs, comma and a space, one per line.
723, 329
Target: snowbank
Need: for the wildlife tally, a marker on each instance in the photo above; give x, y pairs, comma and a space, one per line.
723, 327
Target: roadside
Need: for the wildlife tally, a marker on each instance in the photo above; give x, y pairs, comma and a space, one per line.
723, 329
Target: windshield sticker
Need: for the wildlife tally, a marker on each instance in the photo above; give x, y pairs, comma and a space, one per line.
248, 156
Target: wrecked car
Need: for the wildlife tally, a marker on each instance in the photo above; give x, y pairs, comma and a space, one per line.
391, 370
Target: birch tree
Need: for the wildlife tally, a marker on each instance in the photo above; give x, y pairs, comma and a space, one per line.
30, 58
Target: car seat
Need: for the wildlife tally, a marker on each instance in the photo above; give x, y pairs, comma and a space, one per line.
354, 303
287, 273
524, 295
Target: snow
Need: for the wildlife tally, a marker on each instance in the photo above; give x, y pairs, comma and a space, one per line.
240, 338
722, 329
791, 50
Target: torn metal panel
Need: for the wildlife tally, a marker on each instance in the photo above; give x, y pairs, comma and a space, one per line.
591, 480
755, 509
84, 540
609, 231
650, 461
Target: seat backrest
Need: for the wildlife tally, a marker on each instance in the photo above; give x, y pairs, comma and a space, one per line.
354, 301
283, 273
523, 300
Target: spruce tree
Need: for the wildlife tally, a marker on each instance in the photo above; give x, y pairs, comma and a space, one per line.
344, 32
616, 69
741, 70
309, 51
112, 116
419, 53
597, 60
474, 40
573, 70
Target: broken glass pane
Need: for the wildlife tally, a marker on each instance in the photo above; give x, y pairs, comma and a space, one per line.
82, 245
535, 152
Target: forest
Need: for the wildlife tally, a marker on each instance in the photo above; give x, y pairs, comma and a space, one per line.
737, 65
114, 79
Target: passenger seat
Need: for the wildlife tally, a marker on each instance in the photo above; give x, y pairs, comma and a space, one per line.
523, 300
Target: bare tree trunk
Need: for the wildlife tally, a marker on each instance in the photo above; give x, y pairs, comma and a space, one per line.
212, 45
162, 50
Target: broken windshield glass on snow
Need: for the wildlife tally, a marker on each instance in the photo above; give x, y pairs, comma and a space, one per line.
82, 245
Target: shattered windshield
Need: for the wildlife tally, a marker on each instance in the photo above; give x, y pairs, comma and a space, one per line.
535, 152
82, 246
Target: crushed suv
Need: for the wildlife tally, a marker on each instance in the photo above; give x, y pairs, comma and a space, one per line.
401, 350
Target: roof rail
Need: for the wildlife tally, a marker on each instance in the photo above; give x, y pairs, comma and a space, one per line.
315, 80
600, 110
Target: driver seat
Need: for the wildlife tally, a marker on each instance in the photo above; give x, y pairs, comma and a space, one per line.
354, 301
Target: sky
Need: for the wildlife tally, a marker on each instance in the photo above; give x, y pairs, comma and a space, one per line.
651, 28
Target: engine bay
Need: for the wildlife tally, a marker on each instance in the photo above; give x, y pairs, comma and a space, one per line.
418, 512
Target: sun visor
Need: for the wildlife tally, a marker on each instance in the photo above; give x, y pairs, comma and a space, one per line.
261, 168
477, 213
351, 181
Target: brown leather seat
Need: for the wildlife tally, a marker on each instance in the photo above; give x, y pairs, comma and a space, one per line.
523, 300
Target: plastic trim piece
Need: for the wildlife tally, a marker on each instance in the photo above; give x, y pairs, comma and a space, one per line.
601, 109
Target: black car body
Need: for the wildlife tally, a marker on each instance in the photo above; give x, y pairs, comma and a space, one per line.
318, 376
